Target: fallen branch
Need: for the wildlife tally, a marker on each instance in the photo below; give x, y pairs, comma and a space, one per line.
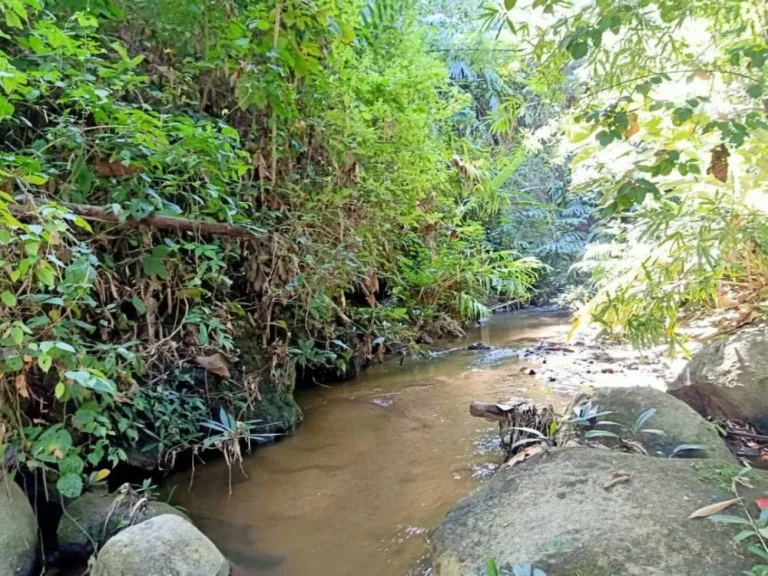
100, 214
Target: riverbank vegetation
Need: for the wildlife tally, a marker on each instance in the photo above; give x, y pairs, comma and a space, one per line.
228, 191
198, 200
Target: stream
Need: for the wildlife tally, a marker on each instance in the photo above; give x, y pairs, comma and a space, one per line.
376, 465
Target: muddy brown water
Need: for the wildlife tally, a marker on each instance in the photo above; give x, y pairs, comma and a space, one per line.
375, 466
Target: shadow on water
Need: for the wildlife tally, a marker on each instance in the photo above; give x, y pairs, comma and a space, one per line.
374, 468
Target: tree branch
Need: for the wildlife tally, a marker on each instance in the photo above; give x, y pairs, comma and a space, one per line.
100, 214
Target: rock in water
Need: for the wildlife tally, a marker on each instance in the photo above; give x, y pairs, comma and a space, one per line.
478, 346
166, 545
729, 378
96, 516
679, 422
555, 512
18, 531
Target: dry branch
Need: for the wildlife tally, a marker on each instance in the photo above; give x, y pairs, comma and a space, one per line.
100, 214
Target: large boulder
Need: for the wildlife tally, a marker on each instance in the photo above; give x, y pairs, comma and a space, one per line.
96, 516
679, 422
729, 378
167, 545
558, 512
18, 530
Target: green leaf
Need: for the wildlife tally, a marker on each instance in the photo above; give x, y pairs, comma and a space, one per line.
729, 519
8, 299
17, 334
644, 417
64, 347
92, 382
578, 49
46, 276
6, 108
509, 4
36, 179
681, 115
154, 266
71, 465
600, 434
604, 137
755, 90
60, 390
743, 535
70, 485
12, 363
44, 361
138, 303
12, 20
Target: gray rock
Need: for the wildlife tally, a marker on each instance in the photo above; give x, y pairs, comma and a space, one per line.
555, 512
729, 378
166, 545
96, 516
18, 530
679, 422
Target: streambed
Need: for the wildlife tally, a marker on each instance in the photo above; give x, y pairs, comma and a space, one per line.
380, 459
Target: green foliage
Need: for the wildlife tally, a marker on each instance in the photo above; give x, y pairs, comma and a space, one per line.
325, 135
527, 569
677, 153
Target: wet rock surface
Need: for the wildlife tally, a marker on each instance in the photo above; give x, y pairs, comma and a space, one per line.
555, 512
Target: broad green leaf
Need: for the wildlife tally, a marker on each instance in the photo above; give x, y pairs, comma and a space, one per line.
154, 266
63, 346
44, 361
138, 303
17, 335
578, 49
70, 485
8, 299
92, 382
46, 276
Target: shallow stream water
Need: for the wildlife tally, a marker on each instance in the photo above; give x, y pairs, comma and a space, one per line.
376, 465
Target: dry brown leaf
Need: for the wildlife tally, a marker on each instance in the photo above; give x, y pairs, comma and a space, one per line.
713, 509
718, 165
215, 363
634, 127
21, 385
618, 478
521, 456
106, 167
